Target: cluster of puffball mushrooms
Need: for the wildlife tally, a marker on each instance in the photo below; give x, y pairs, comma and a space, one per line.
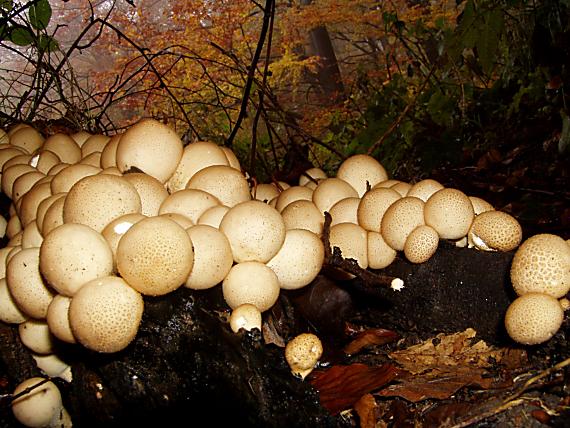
97, 222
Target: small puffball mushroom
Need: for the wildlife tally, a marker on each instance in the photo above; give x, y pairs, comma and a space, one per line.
256, 231
182, 220
155, 256
245, 316
31, 236
93, 159
13, 227
115, 230
41, 209
195, 157
302, 353
151, 147
64, 147
10, 174
224, 182
97, 200
71, 255
480, 205
71, 174
213, 216
424, 189
402, 188
44, 161
265, 192
299, 260
400, 219
151, 191
212, 257
386, 184
23, 159
10, 313
253, 283
373, 205
53, 366
292, 194
57, 319
80, 137
450, 212
495, 231
109, 153
533, 318
421, 244
53, 216
26, 285
31, 202
16, 127
231, 157
311, 177
105, 314
190, 203
361, 172
345, 211
542, 265
95, 143
331, 190
41, 406
24, 183
352, 240
380, 254
16, 240
27, 138
303, 214
57, 168
35, 335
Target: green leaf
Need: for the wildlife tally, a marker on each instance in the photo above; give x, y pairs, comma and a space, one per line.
6, 5
488, 41
47, 43
21, 36
40, 14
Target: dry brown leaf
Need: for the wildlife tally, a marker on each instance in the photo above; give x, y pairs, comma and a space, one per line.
375, 336
365, 407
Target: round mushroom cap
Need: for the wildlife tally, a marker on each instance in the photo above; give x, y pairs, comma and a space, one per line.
195, 157
99, 199
292, 194
57, 319
400, 219
26, 285
95, 143
331, 190
191, 203
53, 216
380, 254
65, 147
373, 205
44, 161
495, 231
109, 153
352, 240
38, 407
73, 254
265, 192
105, 314
31, 202
480, 205
182, 220
311, 177
450, 212
58, 167
115, 230
361, 172
253, 283
212, 257
233, 160
151, 147
10, 313
23, 159
35, 335
402, 188
8, 153
155, 256
64, 180
245, 316
256, 231
27, 138
25, 183
533, 318
31, 236
302, 353
345, 211
224, 182
421, 244
299, 260
213, 216
542, 265
10, 174
303, 214
80, 137
151, 191
92, 159
424, 189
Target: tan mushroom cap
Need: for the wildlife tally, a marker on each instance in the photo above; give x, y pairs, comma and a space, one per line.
495, 231
31, 236
151, 191
80, 137
4, 137
10, 313
12, 129
303, 214
253, 283
402, 188
31, 202
213, 216
11, 174
65, 147
57, 167
23, 159
53, 216
373, 205
345, 211
41, 209
212, 257
35, 335
542, 265
265, 192
28, 138
224, 182
57, 319
180, 219
105, 314
115, 230
311, 177
292, 194
195, 157
331, 190
152, 147
299, 260
480, 205
450, 212
26, 285
40, 406
155, 256
191, 203
231, 157
109, 153
71, 174
256, 231
92, 159
424, 189
352, 240
8, 153
386, 184
95, 143
99, 199
45, 160
73, 254
245, 316
421, 244
361, 172
25, 183
302, 353
380, 254
533, 318
400, 219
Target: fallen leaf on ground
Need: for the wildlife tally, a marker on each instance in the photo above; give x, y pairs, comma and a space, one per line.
366, 410
375, 336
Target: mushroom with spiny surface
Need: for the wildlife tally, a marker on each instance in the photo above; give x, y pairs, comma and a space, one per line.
400, 219
361, 172
495, 231
302, 353
450, 212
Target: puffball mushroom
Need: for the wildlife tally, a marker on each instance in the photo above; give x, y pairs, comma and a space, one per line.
65, 147
533, 318
213, 216
344, 211
115, 230
380, 254
53, 366
27, 138
191, 203
57, 319
41, 406
105, 314
361, 172
373, 205
224, 182
292, 194
36, 336
255, 230
31, 202
400, 219
480, 205
421, 244
253, 283
71, 255
424, 189
10, 313
64, 180
265, 192
542, 265
151, 147
311, 177
302, 353
303, 214
151, 191
495, 231
331, 190
155, 256
245, 316
109, 153
352, 240
450, 212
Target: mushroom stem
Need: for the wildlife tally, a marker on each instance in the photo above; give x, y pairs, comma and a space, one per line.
334, 259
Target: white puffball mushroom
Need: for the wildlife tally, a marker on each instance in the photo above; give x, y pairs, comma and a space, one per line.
251, 282
373, 206
53, 366
345, 211
213, 216
495, 231
151, 191
58, 320
480, 205
224, 182
380, 254
400, 219
303, 214
331, 190
302, 353
450, 212
245, 316
191, 203
421, 244
265, 192
292, 194
35, 335
424, 189
311, 177
361, 172
10, 313
40, 407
